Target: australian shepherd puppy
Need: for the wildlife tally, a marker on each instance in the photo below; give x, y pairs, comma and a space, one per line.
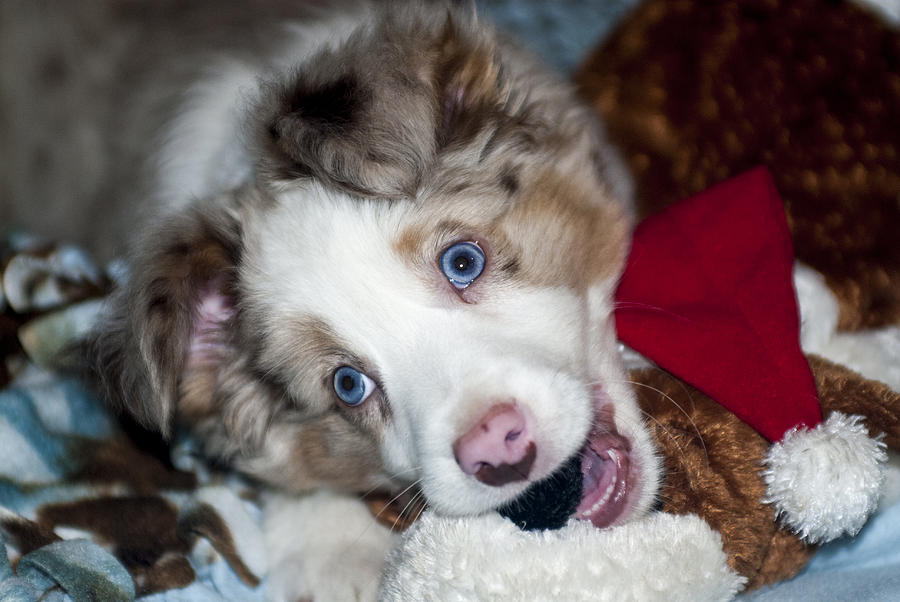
379, 252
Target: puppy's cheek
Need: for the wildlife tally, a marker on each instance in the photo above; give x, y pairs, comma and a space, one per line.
396, 452
607, 371
326, 452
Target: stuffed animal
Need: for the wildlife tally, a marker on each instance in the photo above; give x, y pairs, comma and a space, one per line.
695, 92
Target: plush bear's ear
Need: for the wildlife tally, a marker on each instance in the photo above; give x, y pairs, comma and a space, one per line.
168, 326
371, 116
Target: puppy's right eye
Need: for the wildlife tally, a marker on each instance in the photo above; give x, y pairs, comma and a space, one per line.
352, 386
462, 263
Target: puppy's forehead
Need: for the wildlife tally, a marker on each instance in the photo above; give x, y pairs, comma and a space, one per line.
545, 227
554, 229
317, 252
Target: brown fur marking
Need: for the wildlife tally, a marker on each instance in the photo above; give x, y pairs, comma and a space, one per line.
843, 390
26, 535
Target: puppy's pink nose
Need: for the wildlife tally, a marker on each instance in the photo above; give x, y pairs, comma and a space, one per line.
499, 448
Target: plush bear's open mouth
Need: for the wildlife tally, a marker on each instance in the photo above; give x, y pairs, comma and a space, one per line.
605, 468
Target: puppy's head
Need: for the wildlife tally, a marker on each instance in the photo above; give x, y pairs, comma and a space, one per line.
417, 288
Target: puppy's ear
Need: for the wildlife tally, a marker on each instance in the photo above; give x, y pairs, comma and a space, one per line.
169, 323
371, 116
468, 82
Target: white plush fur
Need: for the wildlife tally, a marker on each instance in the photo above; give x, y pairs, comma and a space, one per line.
873, 353
889, 10
659, 557
825, 482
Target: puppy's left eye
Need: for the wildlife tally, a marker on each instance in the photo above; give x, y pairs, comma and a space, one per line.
352, 386
462, 263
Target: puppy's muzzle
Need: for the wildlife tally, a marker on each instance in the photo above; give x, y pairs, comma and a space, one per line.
499, 448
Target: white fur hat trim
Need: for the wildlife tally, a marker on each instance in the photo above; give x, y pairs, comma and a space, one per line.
825, 482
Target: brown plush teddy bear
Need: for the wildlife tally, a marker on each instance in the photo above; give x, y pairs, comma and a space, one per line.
713, 462
695, 92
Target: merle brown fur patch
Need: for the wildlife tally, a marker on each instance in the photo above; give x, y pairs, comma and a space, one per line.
371, 116
565, 234
335, 105
120, 460
27, 535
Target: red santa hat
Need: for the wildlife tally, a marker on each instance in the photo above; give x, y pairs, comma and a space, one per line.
708, 296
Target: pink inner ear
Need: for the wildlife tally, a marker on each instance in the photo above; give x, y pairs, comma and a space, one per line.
208, 337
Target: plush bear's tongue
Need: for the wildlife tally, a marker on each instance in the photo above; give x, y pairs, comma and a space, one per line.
591, 485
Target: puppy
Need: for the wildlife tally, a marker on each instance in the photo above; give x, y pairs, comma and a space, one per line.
380, 253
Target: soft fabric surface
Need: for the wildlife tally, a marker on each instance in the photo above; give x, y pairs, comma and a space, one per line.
864, 569
66, 472
562, 31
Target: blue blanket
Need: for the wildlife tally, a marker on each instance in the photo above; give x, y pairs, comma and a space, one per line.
70, 514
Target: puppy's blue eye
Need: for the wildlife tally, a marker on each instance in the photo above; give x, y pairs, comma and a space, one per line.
462, 263
352, 386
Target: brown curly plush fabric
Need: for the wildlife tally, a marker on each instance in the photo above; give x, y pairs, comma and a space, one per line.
712, 467
697, 91
712, 462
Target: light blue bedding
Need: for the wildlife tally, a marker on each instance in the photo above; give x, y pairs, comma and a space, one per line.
863, 569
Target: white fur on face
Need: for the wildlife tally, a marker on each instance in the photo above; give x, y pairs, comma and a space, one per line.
442, 362
608, 371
